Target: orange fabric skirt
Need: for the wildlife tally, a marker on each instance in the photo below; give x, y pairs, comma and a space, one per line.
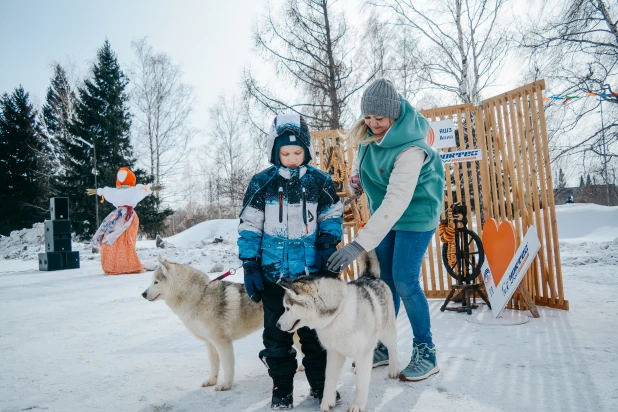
121, 257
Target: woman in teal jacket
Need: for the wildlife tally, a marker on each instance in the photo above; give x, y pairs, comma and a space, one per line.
403, 179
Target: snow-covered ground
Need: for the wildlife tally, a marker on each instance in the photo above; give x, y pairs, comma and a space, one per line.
77, 340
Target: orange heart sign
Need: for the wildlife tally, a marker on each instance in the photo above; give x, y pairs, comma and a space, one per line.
499, 246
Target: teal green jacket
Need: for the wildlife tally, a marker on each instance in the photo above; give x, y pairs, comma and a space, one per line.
376, 163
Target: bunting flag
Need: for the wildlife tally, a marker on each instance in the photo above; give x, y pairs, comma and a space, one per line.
568, 98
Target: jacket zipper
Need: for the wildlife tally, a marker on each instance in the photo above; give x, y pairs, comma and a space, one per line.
280, 204
305, 212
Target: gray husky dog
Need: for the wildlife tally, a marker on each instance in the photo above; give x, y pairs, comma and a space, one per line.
217, 313
349, 319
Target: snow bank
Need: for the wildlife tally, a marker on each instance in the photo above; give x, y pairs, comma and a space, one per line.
23, 244
205, 232
587, 222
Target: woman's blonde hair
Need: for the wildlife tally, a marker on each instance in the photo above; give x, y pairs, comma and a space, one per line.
360, 134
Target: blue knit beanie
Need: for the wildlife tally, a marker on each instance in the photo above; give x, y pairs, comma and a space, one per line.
288, 139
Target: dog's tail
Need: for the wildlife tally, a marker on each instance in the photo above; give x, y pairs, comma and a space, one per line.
369, 265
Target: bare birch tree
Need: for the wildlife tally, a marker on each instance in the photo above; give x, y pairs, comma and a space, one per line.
308, 45
391, 51
162, 106
232, 155
576, 48
462, 44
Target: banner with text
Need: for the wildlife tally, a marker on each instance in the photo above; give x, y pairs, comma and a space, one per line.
461, 156
499, 295
441, 134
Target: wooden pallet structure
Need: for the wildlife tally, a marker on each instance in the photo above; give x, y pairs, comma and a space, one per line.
512, 181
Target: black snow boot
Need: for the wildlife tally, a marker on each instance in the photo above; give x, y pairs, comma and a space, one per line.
282, 397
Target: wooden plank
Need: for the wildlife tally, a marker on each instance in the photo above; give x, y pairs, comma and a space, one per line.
475, 183
436, 113
517, 91
535, 188
552, 204
532, 276
483, 164
544, 199
495, 213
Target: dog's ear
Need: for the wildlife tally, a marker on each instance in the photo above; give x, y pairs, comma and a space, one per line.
164, 265
287, 284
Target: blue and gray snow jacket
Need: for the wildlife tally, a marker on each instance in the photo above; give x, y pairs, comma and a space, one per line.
284, 213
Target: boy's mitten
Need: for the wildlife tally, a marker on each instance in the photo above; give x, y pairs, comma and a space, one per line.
325, 246
253, 280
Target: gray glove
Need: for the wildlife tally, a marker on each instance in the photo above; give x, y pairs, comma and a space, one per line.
344, 256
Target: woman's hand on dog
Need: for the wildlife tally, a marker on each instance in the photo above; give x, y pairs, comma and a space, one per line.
344, 256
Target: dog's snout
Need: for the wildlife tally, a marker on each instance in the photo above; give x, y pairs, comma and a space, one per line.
279, 325
145, 294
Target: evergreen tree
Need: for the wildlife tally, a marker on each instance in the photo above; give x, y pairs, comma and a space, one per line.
57, 114
151, 215
102, 119
581, 181
588, 181
23, 173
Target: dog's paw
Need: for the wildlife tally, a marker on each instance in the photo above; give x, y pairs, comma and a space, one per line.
224, 386
355, 407
393, 373
327, 406
211, 381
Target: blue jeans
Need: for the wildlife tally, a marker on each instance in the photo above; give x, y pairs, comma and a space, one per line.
401, 254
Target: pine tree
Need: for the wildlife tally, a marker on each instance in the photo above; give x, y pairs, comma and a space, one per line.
23, 173
57, 114
151, 215
102, 119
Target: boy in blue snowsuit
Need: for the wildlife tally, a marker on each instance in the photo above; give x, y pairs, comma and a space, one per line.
290, 224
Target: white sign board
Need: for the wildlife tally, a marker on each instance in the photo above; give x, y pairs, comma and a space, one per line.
499, 295
461, 156
442, 134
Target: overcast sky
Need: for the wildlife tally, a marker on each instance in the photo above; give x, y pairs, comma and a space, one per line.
211, 39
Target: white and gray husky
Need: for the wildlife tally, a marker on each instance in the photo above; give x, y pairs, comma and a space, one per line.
349, 319
217, 313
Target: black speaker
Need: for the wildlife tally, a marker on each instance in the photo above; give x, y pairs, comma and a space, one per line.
72, 260
57, 227
57, 235
59, 207
58, 260
60, 243
52, 261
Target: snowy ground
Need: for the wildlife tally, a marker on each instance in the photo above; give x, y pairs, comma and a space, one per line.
78, 340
